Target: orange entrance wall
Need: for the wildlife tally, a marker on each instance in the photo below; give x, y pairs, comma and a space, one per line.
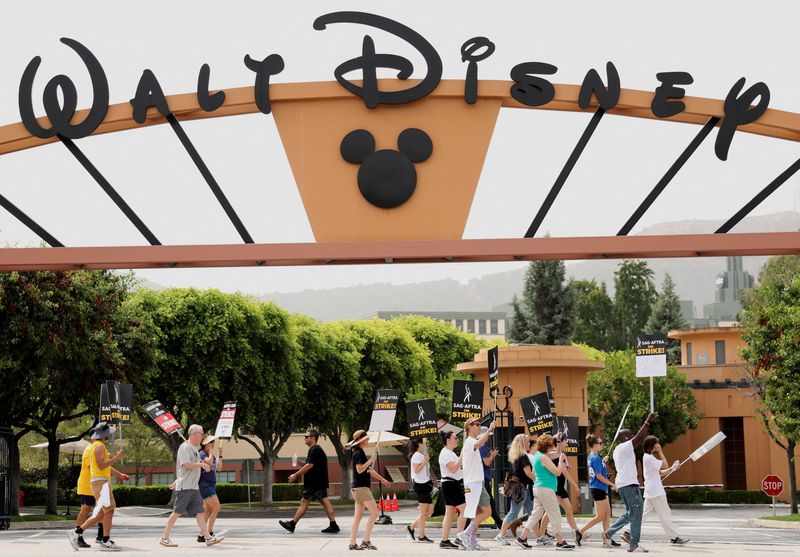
762, 455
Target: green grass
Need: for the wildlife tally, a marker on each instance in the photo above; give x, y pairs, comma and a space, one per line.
41, 517
783, 518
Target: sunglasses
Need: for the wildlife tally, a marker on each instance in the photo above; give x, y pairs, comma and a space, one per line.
600, 442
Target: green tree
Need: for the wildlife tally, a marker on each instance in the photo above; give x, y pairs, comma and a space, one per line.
666, 316
518, 329
548, 305
68, 331
616, 386
634, 295
328, 359
771, 328
594, 315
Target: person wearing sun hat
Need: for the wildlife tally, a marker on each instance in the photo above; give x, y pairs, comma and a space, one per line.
208, 482
362, 494
100, 483
477, 498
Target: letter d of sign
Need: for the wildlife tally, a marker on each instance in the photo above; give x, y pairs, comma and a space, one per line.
60, 116
370, 61
738, 112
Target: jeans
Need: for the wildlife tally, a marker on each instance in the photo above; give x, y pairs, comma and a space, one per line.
634, 506
525, 504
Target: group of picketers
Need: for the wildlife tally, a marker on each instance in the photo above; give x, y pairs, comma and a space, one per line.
195, 488
535, 485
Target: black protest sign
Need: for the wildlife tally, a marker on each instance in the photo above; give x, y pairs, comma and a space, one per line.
538, 417
467, 399
651, 355
494, 371
568, 425
124, 402
384, 410
106, 408
162, 417
421, 417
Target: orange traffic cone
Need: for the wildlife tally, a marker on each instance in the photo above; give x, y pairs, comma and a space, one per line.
395, 504
387, 505
379, 502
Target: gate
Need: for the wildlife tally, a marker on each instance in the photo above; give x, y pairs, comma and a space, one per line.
6, 438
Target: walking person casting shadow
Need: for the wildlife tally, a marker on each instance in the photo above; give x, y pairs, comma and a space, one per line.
315, 484
362, 494
423, 487
208, 483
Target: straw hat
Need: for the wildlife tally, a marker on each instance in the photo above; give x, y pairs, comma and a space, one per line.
207, 438
358, 438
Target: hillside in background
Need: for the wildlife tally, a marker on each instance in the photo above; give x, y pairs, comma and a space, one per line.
694, 278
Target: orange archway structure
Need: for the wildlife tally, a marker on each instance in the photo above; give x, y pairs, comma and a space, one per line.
312, 119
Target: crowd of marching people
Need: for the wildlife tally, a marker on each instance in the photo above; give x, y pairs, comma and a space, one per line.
535, 486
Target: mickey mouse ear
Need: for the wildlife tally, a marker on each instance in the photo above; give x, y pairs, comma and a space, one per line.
357, 146
415, 144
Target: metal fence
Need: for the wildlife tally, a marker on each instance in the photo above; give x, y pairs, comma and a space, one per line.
6, 438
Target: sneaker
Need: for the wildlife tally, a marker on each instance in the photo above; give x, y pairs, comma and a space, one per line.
287, 525
332, 529
542, 540
637, 549
578, 537
626, 537
447, 544
424, 539
73, 536
355, 547
366, 544
614, 543
82, 542
458, 543
549, 535
522, 543
213, 540
606, 541
410, 533
502, 540
166, 542
565, 546
108, 546
201, 539
677, 541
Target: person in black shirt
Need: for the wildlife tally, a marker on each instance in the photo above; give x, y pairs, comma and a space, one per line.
362, 495
315, 484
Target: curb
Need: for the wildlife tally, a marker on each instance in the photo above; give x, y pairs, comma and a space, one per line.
775, 524
42, 525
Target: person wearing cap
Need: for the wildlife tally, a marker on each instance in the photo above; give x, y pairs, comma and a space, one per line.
84, 491
477, 498
208, 483
188, 500
100, 484
362, 494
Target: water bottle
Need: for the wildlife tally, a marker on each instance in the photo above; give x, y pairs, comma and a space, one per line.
294, 460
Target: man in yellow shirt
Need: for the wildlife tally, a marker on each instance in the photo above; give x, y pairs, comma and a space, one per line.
100, 483
87, 500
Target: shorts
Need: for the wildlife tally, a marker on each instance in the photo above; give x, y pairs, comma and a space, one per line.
87, 500
562, 493
207, 490
599, 494
97, 488
188, 502
424, 492
476, 496
361, 494
315, 494
453, 491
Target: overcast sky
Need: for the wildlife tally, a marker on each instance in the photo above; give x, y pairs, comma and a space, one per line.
716, 41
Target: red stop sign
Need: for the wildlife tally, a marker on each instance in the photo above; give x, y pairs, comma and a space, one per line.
772, 485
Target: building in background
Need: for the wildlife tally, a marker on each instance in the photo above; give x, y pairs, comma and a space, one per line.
488, 325
718, 378
730, 285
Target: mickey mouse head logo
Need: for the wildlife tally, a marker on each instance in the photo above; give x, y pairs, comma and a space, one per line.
387, 178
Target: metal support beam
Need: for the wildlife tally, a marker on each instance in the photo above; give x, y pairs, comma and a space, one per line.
29, 222
565, 172
670, 174
417, 251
